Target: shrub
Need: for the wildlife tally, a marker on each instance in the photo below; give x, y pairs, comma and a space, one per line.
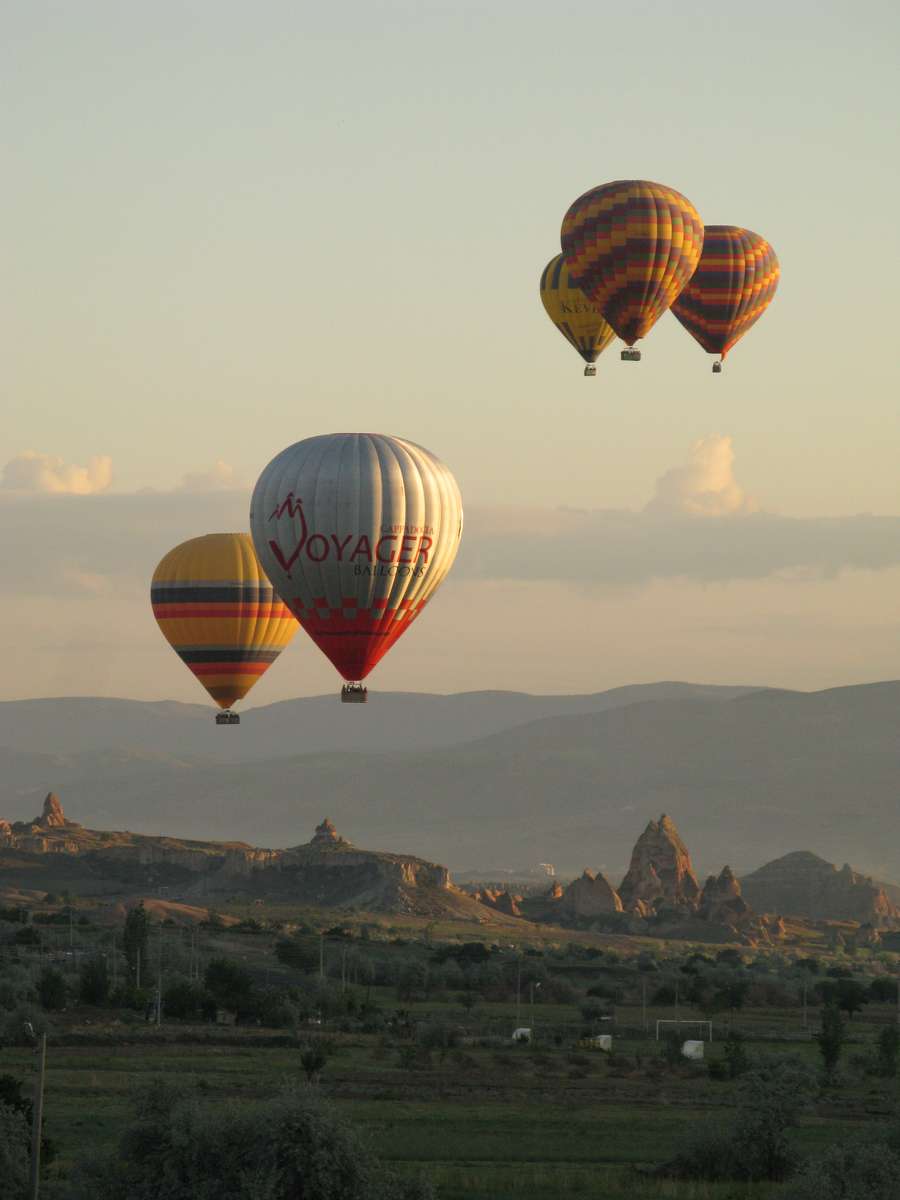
186, 1149
849, 1172
51, 990
93, 985
14, 1153
888, 1051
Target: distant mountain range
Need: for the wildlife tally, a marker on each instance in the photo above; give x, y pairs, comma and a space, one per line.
486, 780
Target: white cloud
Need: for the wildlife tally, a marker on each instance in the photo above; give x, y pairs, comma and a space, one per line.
48, 473
705, 485
220, 477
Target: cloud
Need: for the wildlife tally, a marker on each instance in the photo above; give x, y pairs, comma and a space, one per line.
705, 485
219, 478
111, 543
48, 474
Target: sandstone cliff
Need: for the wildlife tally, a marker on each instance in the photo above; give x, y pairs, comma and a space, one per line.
660, 872
326, 871
590, 896
802, 884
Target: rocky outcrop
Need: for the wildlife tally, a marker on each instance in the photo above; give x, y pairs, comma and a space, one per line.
590, 896
802, 884
53, 816
325, 834
501, 901
721, 900
660, 873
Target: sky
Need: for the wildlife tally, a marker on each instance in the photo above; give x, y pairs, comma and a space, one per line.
231, 226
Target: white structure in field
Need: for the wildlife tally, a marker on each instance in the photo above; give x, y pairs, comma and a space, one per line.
521, 1035
693, 1050
603, 1041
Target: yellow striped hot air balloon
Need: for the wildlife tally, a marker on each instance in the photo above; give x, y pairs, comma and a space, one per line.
578, 319
219, 613
632, 246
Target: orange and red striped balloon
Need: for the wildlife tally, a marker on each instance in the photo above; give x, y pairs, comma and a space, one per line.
732, 287
631, 246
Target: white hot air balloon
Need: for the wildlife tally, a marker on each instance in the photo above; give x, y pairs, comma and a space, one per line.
356, 531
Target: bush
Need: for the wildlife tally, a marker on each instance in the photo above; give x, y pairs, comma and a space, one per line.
769, 1100
14, 1153
51, 990
849, 1172
888, 1051
185, 1149
15, 987
93, 985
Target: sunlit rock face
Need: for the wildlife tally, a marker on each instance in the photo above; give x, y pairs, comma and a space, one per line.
660, 872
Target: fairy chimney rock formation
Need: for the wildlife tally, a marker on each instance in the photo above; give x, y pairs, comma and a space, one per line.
52, 816
326, 834
590, 896
721, 899
660, 871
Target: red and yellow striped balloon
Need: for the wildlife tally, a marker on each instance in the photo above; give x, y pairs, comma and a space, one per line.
632, 246
733, 285
219, 613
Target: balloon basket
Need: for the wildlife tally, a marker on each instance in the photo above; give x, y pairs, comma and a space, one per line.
227, 718
629, 354
590, 369
354, 693
717, 368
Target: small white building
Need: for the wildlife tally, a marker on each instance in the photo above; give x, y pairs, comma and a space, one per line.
521, 1035
692, 1050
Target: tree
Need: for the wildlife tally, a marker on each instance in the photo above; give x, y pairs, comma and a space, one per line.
831, 1038
883, 990
851, 996
888, 1051
736, 1056
229, 984
93, 986
769, 1100
51, 990
292, 1146
134, 939
301, 953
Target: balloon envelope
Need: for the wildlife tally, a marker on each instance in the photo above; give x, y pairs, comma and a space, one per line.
631, 246
576, 317
733, 285
219, 613
356, 532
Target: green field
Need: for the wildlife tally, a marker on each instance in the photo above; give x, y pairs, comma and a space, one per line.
482, 1118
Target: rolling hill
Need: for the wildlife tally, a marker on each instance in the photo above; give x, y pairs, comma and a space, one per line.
748, 777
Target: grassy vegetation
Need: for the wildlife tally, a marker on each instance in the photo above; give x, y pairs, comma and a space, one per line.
437, 1084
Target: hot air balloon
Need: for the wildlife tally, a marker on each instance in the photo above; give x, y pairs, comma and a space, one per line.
356, 532
578, 319
631, 247
220, 615
733, 285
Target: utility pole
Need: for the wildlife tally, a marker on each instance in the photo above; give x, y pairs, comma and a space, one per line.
159, 979
37, 1118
